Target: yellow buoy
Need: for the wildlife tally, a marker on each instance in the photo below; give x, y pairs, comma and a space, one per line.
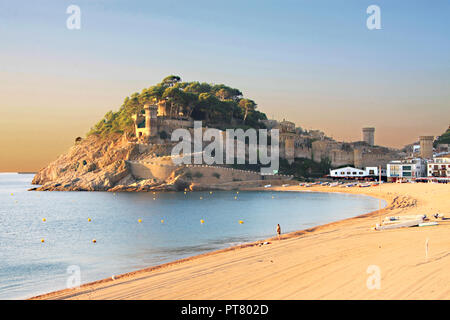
210, 192
94, 241
202, 221
201, 198
241, 222
139, 220
89, 219
235, 198
237, 192
43, 220
185, 192
12, 194
42, 240
162, 221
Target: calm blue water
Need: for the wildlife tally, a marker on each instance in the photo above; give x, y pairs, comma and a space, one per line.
29, 267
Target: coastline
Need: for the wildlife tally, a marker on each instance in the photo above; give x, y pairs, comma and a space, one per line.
397, 203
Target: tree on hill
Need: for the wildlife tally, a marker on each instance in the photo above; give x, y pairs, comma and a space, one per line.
443, 138
212, 103
171, 80
247, 106
226, 93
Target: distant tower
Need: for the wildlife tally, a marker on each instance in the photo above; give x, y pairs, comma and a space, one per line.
369, 135
151, 124
162, 108
146, 125
426, 146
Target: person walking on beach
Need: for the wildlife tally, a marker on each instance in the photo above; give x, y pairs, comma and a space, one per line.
278, 231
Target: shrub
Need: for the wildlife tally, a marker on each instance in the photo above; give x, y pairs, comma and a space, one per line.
163, 135
198, 174
188, 175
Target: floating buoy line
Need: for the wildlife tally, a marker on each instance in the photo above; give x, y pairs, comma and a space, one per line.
202, 221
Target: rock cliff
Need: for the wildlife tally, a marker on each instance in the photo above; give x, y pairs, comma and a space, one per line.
99, 164
116, 164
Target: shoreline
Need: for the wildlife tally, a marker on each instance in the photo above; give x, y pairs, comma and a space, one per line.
393, 201
231, 248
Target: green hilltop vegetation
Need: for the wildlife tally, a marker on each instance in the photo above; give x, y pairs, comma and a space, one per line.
443, 138
215, 104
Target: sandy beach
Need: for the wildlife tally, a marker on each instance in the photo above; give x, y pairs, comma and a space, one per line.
326, 262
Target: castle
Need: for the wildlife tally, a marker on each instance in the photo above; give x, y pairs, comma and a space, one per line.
315, 145
155, 123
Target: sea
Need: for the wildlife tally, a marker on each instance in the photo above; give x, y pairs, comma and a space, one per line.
54, 240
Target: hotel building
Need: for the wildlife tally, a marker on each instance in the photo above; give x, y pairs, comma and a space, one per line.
439, 167
406, 169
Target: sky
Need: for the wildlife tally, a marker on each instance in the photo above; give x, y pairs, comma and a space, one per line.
311, 62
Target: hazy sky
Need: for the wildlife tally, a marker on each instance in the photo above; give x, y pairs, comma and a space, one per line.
312, 62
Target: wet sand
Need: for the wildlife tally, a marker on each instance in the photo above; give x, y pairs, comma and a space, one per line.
332, 261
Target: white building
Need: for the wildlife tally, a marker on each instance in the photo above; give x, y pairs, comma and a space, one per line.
439, 167
406, 169
350, 172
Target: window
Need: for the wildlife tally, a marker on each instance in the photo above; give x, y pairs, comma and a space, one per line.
394, 170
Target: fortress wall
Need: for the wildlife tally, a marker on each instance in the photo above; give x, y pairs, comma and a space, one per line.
341, 157
230, 174
321, 149
226, 174
169, 125
162, 168
302, 153
142, 170
376, 159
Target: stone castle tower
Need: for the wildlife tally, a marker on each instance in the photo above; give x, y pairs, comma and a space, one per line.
146, 125
369, 136
426, 147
